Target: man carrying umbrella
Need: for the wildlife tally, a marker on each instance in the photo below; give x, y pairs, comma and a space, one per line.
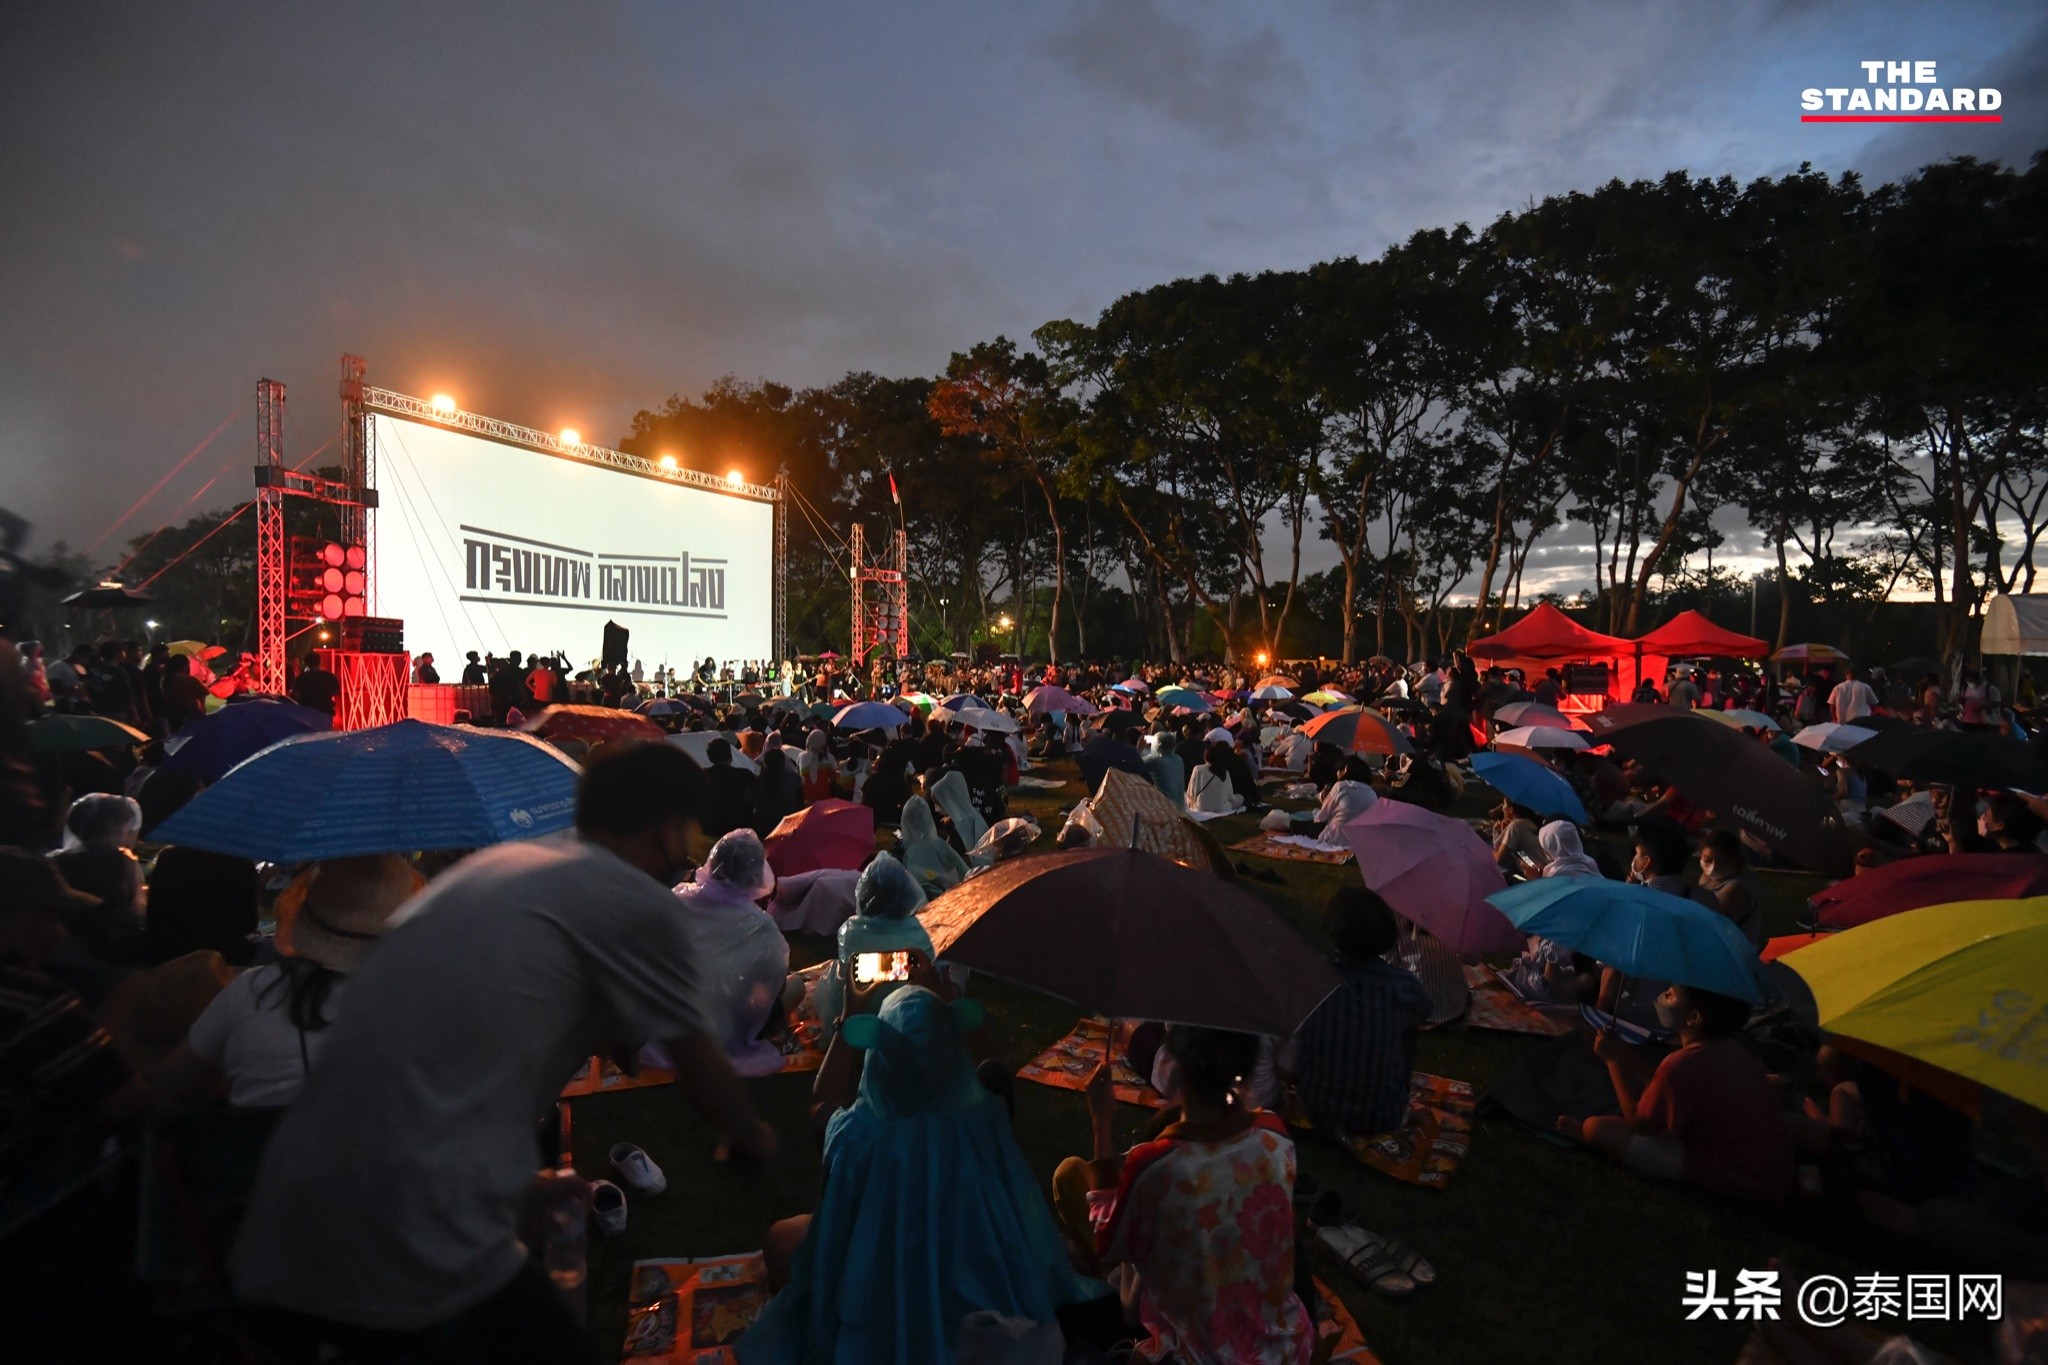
385, 1217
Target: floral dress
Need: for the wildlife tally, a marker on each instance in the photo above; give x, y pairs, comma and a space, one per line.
1210, 1229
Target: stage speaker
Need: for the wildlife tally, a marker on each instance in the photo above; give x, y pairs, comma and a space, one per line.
615, 636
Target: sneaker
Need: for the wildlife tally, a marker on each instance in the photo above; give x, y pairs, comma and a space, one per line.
637, 1170
607, 1207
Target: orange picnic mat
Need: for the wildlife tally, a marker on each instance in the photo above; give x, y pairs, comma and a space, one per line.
1494, 1006
1334, 1319
1068, 1064
1269, 846
690, 1312
603, 1074
1435, 1140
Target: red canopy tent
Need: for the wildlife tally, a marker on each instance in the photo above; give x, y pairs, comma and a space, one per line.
1690, 635
1546, 636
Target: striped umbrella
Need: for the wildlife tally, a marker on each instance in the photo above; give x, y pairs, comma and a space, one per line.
397, 788
1358, 730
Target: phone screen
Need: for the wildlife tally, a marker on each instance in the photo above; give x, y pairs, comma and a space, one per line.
868, 968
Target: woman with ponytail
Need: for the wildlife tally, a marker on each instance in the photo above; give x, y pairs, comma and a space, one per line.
1195, 1228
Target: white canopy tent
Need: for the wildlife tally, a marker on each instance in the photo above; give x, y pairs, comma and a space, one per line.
2016, 625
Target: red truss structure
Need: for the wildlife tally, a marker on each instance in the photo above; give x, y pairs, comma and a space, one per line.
881, 599
374, 687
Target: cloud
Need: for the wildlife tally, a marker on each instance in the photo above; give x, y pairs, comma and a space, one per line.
1232, 90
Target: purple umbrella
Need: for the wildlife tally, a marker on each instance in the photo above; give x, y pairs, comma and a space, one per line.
1435, 871
213, 744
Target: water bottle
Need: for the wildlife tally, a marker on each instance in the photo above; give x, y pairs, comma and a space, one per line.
565, 1238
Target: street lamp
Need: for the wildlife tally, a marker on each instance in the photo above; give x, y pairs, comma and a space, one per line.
152, 630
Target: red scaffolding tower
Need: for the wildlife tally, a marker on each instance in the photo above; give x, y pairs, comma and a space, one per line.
881, 599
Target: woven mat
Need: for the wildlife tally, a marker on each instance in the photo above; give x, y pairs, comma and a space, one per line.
601, 1074
693, 1310
1268, 846
1494, 1006
1429, 1148
1068, 1064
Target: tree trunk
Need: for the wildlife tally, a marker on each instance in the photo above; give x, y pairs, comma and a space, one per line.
1059, 567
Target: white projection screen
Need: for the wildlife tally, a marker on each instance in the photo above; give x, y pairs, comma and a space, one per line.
494, 547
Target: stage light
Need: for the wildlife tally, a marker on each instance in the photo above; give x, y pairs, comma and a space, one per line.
443, 403
571, 437
667, 462
323, 635
732, 476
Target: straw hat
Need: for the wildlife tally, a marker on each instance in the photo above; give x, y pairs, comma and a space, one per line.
334, 910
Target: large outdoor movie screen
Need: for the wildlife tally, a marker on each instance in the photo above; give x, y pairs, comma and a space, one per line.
494, 547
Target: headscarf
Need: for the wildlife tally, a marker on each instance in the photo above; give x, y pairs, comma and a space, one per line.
929, 1210
953, 798
816, 746
928, 857
742, 958
1563, 854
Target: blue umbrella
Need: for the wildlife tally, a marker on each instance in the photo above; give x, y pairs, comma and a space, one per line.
1638, 930
869, 715
213, 744
965, 699
1526, 782
391, 789
1183, 696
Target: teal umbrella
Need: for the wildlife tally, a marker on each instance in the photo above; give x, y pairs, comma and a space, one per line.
1183, 696
1640, 931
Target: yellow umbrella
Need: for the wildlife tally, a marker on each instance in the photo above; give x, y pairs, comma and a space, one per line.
1963, 987
196, 649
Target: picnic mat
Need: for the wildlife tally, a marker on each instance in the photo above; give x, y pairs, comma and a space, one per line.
603, 1074
1334, 1319
1068, 1064
1291, 848
1040, 784
803, 1047
1494, 1006
693, 1310
1436, 1138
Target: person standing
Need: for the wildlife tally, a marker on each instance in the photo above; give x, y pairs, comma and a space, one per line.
425, 673
1852, 699
385, 1217
473, 674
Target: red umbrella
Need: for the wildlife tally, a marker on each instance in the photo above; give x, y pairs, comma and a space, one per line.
1435, 871
829, 833
1359, 730
1938, 879
592, 724
1133, 936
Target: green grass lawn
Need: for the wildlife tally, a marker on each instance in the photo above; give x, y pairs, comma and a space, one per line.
1542, 1253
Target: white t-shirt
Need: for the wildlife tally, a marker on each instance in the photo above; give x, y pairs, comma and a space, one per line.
389, 1196
1852, 699
248, 1035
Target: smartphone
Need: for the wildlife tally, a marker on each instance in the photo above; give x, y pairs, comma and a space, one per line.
869, 968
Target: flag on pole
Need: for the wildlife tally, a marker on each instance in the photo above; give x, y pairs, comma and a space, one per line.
894, 496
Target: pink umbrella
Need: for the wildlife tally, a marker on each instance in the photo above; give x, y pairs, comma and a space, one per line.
1435, 871
831, 833
1048, 698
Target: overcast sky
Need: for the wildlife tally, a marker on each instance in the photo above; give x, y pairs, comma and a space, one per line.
561, 213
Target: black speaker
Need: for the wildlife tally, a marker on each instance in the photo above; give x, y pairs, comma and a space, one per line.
615, 637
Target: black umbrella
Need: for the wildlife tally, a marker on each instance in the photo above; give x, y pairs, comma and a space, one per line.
109, 594
1404, 704
1104, 752
1299, 710
1970, 759
1734, 776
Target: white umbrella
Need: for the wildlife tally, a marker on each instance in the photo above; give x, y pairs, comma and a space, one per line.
978, 718
1541, 737
1830, 738
697, 743
1273, 693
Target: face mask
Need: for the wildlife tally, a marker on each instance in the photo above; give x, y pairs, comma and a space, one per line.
1668, 1016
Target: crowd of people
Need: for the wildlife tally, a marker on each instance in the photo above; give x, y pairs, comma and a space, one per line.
453, 994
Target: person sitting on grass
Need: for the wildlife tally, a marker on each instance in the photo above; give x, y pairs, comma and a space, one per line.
1352, 1058
1210, 791
929, 1211
742, 958
1729, 884
1195, 1228
1708, 1116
